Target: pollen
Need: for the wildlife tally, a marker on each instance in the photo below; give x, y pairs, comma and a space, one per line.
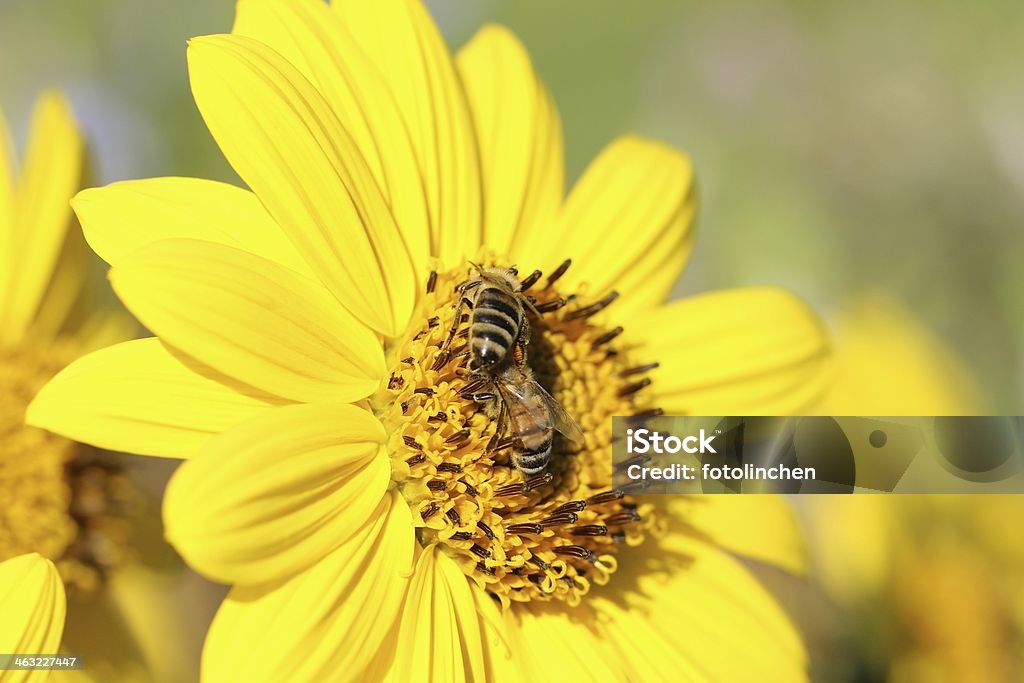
550, 536
62, 499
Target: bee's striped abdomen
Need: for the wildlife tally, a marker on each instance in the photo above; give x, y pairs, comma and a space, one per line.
531, 422
494, 326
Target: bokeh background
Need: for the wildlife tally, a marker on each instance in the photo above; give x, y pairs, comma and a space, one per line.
843, 150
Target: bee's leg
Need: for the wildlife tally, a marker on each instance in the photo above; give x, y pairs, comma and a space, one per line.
464, 302
499, 429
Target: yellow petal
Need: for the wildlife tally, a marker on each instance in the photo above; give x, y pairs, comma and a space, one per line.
877, 340
141, 397
337, 617
51, 173
759, 527
313, 40
441, 633
282, 138
550, 643
7, 171
626, 225
753, 351
250, 319
33, 607
406, 47
520, 137
712, 614
122, 217
276, 494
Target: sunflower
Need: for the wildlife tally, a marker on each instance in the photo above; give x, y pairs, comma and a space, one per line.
33, 609
338, 474
62, 499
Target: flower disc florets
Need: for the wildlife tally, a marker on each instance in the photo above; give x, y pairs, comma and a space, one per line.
544, 537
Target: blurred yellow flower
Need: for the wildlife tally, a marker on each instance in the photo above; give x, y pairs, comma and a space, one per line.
338, 475
61, 499
32, 612
929, 584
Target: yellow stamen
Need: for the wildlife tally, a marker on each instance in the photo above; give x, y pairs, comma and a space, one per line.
545, 537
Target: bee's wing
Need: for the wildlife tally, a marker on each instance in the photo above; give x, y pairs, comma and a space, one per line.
561, 420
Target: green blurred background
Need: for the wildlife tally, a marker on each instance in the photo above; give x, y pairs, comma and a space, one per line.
840, 147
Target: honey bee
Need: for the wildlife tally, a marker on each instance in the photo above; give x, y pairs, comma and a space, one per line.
533, 416
498, 318
498, 339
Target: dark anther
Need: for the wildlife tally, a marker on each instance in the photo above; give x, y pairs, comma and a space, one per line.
419, 335
470, 489
571, 506
453, 515
619, 538
480, 552
559, 271
439, 416
441, 360
486, 529
431, 282
412, 443
536, 578
432, 322
561, 519
485, 569
539, 480
650, 412
395, 382
608, 336
569, 580
437, 484
631, 389
452, 467
550, 306
461, 536
517, 571
611, 353
524, 529
511, 489
592, 309
540, 563
416, 459
429, 511
426, 391
605, 497
638, 485
589, 530
573, 550
458, 437
502, 444
408, 360
639, 369
529, 281
405, 407
620, 518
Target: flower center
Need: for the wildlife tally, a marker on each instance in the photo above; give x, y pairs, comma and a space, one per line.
543, 536
61, 499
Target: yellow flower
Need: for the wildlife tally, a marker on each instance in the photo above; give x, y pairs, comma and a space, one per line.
336, 473
32, 612
63, 500
939, 576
